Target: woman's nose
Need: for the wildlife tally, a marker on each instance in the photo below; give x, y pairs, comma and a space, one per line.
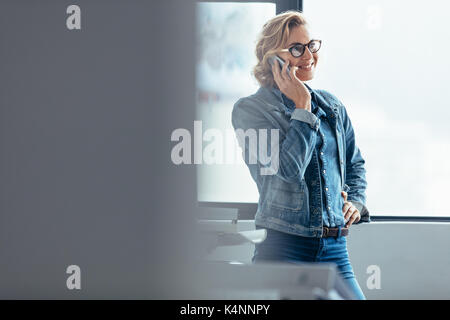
307, 55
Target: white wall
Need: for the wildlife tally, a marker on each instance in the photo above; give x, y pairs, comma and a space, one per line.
414, 257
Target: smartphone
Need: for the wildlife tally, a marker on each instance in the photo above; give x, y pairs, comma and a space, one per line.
281, 61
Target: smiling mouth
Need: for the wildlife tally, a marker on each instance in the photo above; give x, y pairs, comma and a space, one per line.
307, 67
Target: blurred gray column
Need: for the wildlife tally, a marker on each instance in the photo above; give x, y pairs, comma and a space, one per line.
85, 171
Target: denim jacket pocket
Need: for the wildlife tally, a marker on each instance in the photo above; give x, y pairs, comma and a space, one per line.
288, 196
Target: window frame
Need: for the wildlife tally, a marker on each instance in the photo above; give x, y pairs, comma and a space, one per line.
281, 5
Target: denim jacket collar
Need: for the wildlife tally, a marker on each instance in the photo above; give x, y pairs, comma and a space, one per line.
319, 106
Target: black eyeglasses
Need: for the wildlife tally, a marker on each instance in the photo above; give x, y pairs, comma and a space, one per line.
298, 49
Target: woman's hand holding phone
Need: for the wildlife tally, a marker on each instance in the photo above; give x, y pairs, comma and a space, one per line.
292, 87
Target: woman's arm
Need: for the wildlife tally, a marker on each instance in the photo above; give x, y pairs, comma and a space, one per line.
294, 147
355, 177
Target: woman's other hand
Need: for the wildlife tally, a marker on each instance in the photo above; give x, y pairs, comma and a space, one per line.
291, 86
351, 214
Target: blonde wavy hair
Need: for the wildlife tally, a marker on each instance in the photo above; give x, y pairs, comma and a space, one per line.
273, 37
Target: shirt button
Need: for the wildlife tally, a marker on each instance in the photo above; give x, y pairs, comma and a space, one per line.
321, 153
324, 171
326, 189
329, 208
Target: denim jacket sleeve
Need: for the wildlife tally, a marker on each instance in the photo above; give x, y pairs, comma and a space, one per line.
295, 145
355, 177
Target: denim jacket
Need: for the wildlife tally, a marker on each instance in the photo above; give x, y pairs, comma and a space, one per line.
290, 194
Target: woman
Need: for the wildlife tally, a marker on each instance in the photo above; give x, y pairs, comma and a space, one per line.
317, 189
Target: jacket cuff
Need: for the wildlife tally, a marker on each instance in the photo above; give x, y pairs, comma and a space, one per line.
306, 116
363, 211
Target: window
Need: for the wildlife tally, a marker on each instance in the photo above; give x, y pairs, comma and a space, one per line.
387, 61
226, 35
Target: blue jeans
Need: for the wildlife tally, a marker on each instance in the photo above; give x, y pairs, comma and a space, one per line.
285, 247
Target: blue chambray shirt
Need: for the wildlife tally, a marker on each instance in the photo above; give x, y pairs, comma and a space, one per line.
326, 148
